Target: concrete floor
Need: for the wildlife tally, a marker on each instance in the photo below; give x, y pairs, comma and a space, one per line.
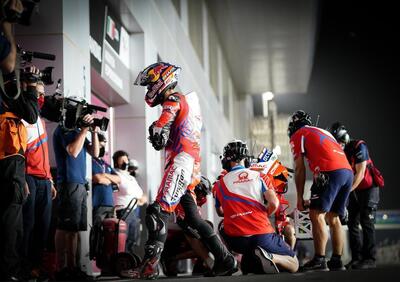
384, 273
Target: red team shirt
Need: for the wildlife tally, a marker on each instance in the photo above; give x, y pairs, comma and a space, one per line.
37, 151
241, 195
320, 148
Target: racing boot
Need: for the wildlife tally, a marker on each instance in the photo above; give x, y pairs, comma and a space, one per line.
148, 269
225, 263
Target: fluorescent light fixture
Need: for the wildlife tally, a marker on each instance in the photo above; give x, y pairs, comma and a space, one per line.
268, 96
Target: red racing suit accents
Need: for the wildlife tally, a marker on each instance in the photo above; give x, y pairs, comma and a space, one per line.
180, 116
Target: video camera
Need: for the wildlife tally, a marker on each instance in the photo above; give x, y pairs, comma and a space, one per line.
75, 110
70, 111
43, 75
9, 14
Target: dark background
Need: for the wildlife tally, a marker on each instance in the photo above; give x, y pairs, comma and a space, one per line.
355, 79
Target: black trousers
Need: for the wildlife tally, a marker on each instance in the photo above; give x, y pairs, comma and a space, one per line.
362, 211
12, 182
36, 218
206, 232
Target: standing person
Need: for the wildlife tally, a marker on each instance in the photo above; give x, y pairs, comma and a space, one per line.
245, 201
128, 189
15, 104
70, 147
38, 205
363, 200
178, 131
103, 179
332, 180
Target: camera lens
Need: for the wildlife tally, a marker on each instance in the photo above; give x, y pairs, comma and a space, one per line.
46, 75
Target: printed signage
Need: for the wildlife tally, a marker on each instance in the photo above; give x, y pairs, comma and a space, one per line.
109, 49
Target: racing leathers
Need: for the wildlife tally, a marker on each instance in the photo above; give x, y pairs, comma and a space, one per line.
181, 123
178, 130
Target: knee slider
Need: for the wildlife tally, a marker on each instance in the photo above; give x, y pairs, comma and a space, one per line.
155, 219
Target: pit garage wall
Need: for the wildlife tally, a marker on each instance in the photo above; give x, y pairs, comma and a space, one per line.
165, 35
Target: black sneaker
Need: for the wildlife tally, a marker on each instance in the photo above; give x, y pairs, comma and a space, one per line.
246, 264
364, 264
351, 263
316, 264
265, 258
64, 274
335, 264
78, 275
225, 268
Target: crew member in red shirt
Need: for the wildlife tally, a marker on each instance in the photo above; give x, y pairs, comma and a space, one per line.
245, 201
332, 180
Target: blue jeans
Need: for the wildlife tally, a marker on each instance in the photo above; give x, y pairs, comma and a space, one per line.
36, 219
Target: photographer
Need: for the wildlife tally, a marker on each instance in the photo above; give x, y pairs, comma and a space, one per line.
70, 147
14, 106
38, 205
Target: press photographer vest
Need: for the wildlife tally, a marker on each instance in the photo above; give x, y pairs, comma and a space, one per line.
13, 135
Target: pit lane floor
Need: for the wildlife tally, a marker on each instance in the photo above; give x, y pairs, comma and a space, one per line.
383, 273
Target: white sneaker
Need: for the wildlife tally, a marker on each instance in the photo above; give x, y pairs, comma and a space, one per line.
268, 266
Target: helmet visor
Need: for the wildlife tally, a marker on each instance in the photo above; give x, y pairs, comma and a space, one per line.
143, 79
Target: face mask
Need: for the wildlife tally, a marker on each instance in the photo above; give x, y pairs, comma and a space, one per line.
41, 101
102, 152
124, 166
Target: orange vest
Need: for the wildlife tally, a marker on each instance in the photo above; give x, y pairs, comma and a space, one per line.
13, 135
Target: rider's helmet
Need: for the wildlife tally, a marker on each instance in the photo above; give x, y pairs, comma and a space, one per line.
158, 78
203, 188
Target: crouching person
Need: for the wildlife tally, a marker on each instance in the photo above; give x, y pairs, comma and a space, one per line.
240, 197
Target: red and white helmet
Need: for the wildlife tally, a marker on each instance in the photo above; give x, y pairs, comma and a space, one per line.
158, 78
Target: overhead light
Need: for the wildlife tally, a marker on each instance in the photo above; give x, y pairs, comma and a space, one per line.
268, 96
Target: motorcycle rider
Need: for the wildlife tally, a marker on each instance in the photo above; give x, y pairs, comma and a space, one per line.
178, 131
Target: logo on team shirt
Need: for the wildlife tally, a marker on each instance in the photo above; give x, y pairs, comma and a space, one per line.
242, 177
292, 147
241, 214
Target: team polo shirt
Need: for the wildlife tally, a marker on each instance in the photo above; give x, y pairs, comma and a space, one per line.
37, 150
240, 193
357, 154
102, 194
69, 169
320, 149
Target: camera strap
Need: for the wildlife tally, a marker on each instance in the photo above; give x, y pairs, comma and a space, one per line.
17, 77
